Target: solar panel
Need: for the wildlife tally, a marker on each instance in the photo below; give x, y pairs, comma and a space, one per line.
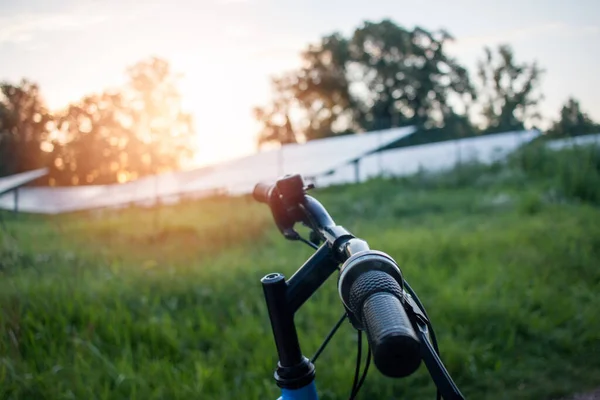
435, 156
309, 159
240, 176
9, 183
235, 177
574, 141
313, 159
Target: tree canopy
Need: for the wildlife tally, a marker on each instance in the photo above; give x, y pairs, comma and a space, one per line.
380, 76
23, 127
573, 121
383, 76
113, 136
509, 91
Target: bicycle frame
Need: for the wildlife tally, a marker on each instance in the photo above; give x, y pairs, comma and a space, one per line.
308, 392
295, 373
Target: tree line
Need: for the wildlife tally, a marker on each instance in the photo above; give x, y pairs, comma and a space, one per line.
381, 76
384, 76
114, 136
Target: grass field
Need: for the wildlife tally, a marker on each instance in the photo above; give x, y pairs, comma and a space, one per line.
166, 303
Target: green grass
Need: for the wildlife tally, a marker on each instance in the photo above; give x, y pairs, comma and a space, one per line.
166, 303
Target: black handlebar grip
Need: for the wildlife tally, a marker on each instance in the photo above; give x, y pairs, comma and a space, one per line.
262, 191
395, 346
375, 300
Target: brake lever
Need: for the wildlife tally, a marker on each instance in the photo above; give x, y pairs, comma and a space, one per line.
283, 222
285, 204
438, 372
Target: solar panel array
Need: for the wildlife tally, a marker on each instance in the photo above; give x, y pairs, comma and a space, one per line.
430, 157
9, 183
583, 140
235, 177
326, 162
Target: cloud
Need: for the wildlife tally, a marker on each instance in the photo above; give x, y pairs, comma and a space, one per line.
23, 28
466, 44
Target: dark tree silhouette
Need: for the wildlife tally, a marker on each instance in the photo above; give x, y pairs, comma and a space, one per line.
573, 121
381, 77
509, 91
24, 122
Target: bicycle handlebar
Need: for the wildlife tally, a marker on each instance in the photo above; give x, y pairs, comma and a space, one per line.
262, 192
377, 301
370, 285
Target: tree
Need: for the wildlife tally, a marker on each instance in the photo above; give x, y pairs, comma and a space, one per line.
573, 121
275, 118
508, 92
408, 76
319, 92
120, 135
92, 148
164, 132
274, 130
24, 122
383, 76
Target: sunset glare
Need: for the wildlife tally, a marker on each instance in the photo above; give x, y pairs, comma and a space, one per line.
227, 50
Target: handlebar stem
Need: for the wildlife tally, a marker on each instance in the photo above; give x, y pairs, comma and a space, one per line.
310, 277
282, 319
293, 369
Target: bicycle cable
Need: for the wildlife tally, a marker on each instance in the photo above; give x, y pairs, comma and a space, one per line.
434, 342
410, 290
364, 374
328, 338
308, 242
357, 370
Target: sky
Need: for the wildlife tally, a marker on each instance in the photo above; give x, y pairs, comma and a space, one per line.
228, 49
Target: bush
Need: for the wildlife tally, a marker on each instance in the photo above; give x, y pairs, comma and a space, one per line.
574, 172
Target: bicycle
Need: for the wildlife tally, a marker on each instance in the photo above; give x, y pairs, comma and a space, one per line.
376, 299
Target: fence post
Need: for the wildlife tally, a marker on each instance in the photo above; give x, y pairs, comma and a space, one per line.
356, 170
16, 197
379, 160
